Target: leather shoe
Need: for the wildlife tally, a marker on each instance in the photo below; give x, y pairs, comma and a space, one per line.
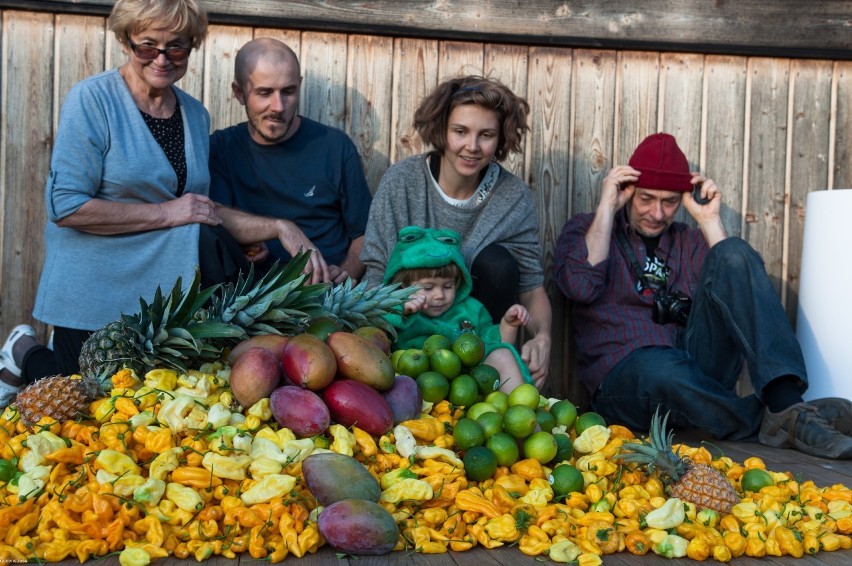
801, 426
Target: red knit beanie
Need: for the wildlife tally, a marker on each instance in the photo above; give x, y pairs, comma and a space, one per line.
663, 165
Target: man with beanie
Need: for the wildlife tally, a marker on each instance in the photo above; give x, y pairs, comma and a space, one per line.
665, 314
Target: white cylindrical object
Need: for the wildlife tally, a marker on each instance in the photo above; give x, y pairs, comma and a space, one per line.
824, 323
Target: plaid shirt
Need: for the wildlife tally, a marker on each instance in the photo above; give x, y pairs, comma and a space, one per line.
611, 318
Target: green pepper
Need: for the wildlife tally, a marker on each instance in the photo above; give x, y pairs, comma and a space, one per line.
8, 469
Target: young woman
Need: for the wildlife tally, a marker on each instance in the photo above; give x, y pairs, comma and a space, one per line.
472, 123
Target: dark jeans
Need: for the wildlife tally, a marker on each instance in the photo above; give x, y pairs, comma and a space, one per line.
496, 280
736, 316
40, 361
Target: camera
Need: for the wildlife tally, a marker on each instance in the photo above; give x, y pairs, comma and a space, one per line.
671, 307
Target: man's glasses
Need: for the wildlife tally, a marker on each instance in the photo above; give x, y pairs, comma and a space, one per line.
149, 53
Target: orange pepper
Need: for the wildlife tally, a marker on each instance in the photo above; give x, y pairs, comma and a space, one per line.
637, 542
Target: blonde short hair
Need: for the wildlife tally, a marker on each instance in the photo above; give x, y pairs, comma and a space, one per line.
183, 17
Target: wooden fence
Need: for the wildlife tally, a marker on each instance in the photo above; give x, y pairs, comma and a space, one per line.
767, 129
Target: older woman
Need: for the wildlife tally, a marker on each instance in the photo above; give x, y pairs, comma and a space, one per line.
472, 123
127, 189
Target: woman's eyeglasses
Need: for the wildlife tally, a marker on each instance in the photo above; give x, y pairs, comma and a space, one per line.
149, 52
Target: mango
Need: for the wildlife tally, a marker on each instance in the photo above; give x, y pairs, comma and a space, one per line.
352, 403
255, 374
273, 342
361, 360
404, 399
358, 526
375, 335
332, 477
300, 410
308, 362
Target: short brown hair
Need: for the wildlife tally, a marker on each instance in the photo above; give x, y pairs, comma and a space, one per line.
410, 276
433, 114
177, 16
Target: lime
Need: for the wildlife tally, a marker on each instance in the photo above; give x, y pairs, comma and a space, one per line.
564, 447
433, 386
519, 421
499, 399
468, 433
587, 420
540, 445
491, 423
412, 363
463, 391
525, 394
445, 362
480, 463
436, 342
505, 448
487, 377
478, 408
470, 349
565, 479
755, 479
564, 412
394, 358
545, 420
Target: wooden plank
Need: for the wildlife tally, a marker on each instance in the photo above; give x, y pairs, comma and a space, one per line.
368, 85
548, 173
593, 94
508, 64
841, 118
415, 74
221, 47
324, 84
291, 37
767, 139
818, 28
808, 159
78, 52
723, 133
679, 112
26, 137
637, 98
459, 58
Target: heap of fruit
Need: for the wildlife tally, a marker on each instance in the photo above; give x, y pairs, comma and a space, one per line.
319, 434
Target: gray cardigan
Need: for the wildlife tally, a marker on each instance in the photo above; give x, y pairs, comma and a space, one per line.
406, 196
104, 150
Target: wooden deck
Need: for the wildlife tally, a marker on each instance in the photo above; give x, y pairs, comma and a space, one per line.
822, 472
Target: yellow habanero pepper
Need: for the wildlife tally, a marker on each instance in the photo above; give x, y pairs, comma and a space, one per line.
788, 542
735, 542
426, 428
503, 528
528, 468
472, 499
365, 442
534, 542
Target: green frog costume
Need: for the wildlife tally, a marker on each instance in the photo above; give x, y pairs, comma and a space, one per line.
419, 248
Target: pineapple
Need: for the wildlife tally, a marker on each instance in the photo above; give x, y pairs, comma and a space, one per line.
196, 325
699, 484
56, 396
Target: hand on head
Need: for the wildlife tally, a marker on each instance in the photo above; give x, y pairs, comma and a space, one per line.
618, 186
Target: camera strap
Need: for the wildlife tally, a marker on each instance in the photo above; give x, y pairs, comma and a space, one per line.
630, 256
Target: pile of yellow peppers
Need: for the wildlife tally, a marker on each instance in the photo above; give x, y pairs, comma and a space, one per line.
165, 467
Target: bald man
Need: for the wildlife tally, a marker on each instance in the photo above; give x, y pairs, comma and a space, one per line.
283, 179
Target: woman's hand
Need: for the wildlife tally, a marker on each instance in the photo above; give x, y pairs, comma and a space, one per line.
189, 208
536, 354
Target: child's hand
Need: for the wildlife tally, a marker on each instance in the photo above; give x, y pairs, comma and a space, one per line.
415, 303
517, 315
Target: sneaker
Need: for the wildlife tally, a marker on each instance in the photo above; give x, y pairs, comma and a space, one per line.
6, 352
7, 392
801, 426
837, 411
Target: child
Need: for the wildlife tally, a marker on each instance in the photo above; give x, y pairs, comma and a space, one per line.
432, 260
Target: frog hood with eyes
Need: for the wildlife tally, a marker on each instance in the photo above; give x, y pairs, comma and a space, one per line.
419, 248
